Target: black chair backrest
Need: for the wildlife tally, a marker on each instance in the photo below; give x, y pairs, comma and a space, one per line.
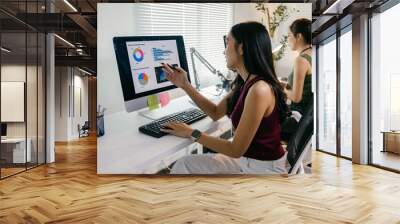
86, 125
298, 141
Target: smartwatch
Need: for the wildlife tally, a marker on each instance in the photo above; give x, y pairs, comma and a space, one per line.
195, 135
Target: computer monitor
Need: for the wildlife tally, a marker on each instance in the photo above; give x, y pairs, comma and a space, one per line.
139, 61
3, 129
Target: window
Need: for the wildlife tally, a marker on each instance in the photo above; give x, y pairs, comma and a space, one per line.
335, 108
346, 92
202, 25
327, 96
385, 89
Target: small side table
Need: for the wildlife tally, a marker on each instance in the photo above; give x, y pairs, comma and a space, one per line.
391, 141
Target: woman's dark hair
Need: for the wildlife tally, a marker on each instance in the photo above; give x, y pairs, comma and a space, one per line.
257, 57
303, 27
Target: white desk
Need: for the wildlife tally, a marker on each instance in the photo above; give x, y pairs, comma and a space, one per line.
18, 151
124, 150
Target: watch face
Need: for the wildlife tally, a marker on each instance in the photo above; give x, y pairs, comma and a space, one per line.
196, 134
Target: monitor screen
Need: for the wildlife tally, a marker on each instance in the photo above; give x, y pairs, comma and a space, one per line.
139, 63
3, 129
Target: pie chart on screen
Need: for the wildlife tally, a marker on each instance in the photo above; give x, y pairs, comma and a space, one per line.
143, 78
138, 54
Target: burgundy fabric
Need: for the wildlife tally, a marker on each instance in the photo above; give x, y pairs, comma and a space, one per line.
266, 143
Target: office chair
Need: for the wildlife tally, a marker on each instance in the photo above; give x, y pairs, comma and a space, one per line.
84, 130
300, 142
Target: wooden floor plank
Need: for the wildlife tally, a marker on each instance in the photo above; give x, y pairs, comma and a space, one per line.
70, 191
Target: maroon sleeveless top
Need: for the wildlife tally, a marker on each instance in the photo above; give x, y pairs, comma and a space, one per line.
266, 143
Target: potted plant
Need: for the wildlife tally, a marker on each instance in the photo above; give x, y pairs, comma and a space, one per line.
272, 20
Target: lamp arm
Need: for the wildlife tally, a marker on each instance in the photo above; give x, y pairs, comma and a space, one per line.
194, 52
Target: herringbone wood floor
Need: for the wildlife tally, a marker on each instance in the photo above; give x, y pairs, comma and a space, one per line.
70, 191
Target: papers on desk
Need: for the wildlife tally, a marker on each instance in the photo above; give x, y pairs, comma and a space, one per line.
164, 99
152, 102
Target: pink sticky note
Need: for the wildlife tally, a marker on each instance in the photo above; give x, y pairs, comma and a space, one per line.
164, 99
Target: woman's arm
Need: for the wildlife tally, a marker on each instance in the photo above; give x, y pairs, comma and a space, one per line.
300, 71
259, 99
178, 77
212, 110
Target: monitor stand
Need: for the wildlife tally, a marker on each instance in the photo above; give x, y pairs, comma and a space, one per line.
159, 112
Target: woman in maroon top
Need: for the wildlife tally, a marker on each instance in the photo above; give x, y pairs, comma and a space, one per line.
256, 106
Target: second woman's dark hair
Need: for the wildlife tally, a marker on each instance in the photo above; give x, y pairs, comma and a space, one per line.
257, 57
303, 27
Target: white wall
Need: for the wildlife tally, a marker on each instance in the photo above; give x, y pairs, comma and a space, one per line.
80, 83
247, 12
15, 72
61, 103
33, 126
109, 91
67, 80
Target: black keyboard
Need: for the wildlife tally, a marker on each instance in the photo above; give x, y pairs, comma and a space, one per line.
187, 116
